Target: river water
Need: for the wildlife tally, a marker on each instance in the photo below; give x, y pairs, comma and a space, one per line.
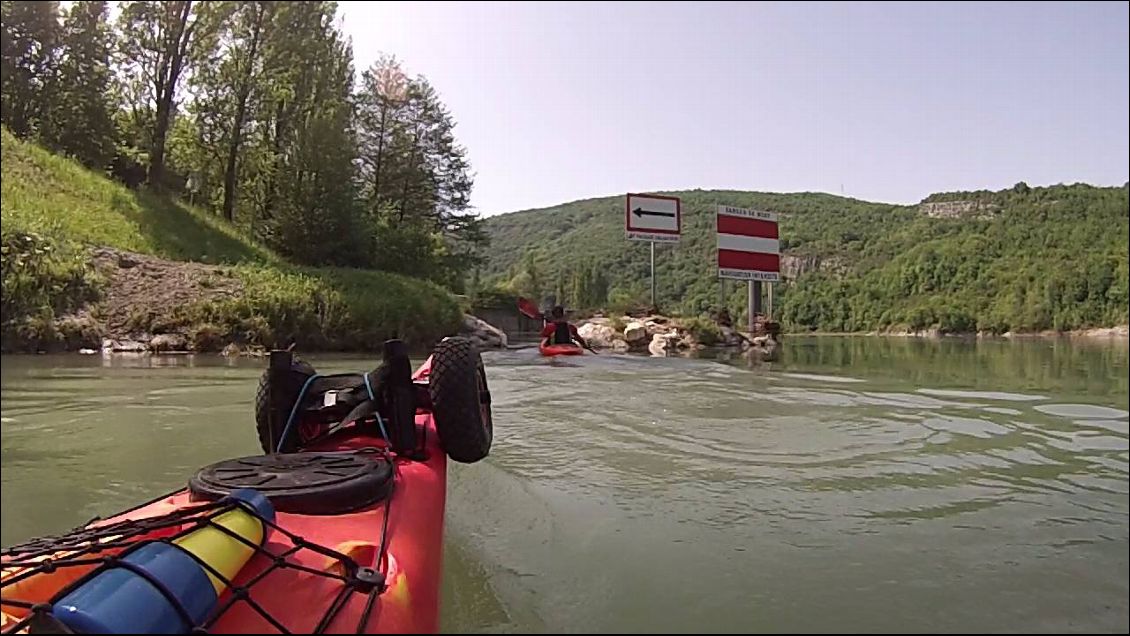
859, 484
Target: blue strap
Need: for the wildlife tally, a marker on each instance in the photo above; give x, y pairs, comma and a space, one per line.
294, 411
380, 422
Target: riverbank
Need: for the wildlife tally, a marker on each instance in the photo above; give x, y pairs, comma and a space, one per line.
87, 260
125, 301
661, 335
1121, 332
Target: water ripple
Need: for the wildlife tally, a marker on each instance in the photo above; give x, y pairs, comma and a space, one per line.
612, 472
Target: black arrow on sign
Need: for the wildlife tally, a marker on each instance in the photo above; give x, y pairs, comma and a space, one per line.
643, 212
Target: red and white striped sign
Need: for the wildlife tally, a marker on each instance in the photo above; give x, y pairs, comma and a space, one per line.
748, 245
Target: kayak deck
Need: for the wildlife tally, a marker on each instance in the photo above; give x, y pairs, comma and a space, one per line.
376, 569
342, 532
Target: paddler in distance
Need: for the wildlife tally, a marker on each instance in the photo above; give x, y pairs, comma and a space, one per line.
558, 331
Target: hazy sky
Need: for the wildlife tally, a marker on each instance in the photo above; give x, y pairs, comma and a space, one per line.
890, 102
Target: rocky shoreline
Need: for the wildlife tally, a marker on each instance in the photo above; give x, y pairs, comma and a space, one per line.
663, 336
138, 313
145, 304
1097, 333
482, 333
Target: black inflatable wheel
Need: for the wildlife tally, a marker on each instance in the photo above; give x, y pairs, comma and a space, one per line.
301, 483
461, 400
263, 410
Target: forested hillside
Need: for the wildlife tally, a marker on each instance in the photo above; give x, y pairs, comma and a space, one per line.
1020, 259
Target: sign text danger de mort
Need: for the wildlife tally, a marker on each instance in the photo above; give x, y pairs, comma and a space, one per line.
748, 244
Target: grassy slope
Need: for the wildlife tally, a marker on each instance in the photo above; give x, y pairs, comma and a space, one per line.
52, 207
51, 195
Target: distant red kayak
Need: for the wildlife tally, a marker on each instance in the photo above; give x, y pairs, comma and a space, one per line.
346, 534
560, 350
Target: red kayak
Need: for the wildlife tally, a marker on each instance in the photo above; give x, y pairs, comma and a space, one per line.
338, 528
560, 349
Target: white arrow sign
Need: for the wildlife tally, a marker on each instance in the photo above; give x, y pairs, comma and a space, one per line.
651, 217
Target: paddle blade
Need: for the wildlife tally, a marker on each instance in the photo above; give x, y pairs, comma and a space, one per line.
528, 308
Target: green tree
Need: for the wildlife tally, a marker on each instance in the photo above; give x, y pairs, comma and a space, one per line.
380, 103
1049, 258
311, 195
534, 283
561, 289
598, 287
29, 57
415, 179
249, 22
83, 125
160, 42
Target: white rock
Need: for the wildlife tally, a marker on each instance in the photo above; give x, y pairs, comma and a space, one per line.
597, 335
663, 344
635, 332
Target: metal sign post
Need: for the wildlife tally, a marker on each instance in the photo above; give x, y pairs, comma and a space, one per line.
749, 250
754, 302
653, 305
653, 218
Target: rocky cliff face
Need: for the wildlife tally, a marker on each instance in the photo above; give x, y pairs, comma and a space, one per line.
959, 209
794, 266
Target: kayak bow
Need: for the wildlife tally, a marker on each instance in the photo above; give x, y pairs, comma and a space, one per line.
560, 350
346, 534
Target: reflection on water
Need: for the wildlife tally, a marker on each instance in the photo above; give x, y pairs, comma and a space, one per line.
859, 484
